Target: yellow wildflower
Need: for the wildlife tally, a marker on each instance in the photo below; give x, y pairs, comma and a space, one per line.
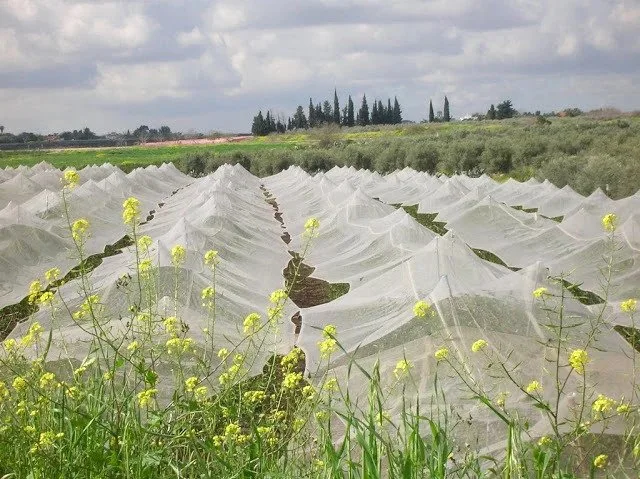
208, 292
330, 384
308, 392
402, 368
327, 347
172, 325
211, 258
311, 225
32, 336
329, 331
629, 306
79, 229
623, 408
540, 292
533, 386
251, 323
145, 266
70, 179
131, 211
479, 345
544, 441
232, 429
19, 383
223, 353
191, 383
421, 309
278, 296
10, 345
34, 291
501, 399
47, 298
178, 255
200, 393
578, 360
603, 404
601, 461
610, 222
133, 346
52, 274
88, 307
291, 380
4, 391
254, 396
441, 354
48, 380
178, 346
144, 242
146, 397
291, 359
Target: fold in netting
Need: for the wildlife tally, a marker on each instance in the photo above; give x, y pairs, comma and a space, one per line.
387, 257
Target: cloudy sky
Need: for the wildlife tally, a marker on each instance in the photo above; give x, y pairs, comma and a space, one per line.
211, 64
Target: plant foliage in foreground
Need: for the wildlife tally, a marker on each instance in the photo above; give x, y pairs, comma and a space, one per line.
149, 402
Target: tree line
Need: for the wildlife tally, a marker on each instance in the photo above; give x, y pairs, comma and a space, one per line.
324, 113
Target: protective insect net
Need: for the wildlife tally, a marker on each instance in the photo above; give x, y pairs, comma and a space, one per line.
389, 260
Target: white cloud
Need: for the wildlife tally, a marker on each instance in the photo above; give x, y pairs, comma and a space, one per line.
193, 37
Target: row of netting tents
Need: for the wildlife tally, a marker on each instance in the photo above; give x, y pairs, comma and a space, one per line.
389, 260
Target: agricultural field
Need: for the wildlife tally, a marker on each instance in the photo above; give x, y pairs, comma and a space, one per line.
336, 323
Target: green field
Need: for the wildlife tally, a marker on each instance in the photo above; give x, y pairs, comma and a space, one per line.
585, 153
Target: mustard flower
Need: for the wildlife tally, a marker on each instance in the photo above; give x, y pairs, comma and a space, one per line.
629, 306
308, 392
178, 255
211, 258
223, 353
311, 225
79, 229
191, 383
251, 323
200, 393
146, 397
33, 335
329, 331
291, 359
421, 309
133, 346
208, 292
327, 347
603, 404
19, 384
254, 396
479, 345
402, 368
623, 408
34, 291
177, 346
131, 211
578, 359
47, 298
601, 461
610, 222
47, 381
291, 380
145, 266
89, 306
172, 325
4, 391
232, 430
441, 354
533, 386
330, 384
278, 296
544, 441
501, 399
144, 242
46, 441
70, 179
540, 292
10, 345
52, 274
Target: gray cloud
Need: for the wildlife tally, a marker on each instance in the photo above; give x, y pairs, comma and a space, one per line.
211, 64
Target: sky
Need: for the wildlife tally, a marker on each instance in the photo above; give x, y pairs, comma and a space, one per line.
210, 65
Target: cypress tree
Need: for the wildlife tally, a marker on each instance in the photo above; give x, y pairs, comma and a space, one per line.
382, 114
432, 117
320, 119
446, 114
491, 114
345, 116
336, 108
389, 118
350, 117
397, 112
375, 114
363, 113
327, 112
312, 114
